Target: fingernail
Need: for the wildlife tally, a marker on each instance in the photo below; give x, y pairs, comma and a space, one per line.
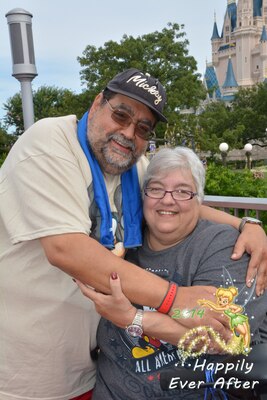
114, 275
74, 280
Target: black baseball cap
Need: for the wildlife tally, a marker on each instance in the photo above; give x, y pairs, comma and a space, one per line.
141, 87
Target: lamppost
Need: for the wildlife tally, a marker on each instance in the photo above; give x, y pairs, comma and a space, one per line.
248, 149
223, 149
24, 69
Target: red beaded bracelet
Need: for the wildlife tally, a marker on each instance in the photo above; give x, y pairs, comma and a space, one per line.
168, 300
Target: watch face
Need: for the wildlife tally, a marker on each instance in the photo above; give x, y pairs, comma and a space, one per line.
134, 330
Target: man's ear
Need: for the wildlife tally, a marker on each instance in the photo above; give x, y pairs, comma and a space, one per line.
96, 104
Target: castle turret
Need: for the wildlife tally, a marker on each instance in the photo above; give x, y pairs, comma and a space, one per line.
230, 86
215, 42
263, 52
245, 42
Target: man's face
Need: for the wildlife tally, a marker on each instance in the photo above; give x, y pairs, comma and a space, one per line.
117, 147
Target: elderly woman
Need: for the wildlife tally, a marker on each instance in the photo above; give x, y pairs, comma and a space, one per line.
178, 246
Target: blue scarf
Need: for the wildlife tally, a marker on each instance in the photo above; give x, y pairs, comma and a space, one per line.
131, 197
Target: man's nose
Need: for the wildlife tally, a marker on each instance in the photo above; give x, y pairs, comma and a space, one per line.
129, 131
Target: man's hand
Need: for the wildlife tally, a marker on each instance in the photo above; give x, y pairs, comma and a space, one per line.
187, 299
253, 240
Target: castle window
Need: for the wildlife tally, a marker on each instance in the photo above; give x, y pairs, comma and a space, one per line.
227, 28
227, 39
240, 23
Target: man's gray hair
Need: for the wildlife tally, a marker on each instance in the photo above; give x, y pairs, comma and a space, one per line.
178, 158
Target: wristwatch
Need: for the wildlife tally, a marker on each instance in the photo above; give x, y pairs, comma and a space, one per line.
135, 328
249, 220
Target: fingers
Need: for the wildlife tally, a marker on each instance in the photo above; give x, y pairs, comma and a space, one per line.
86, 290
115, 285
239, 249
261, 284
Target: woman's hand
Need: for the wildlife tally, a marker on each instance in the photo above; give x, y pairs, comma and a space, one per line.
253, 240
115, 306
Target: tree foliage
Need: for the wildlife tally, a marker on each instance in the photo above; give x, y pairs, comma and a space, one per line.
222, 181
242, 122
48, 101
162, 54
6, 142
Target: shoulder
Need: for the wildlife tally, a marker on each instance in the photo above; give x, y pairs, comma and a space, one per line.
211, 238
141, 165
210, 230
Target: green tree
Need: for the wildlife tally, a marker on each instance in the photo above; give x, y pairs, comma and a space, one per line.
162, 54
6, 142
216, 123
249, 110
244, 121
48, 102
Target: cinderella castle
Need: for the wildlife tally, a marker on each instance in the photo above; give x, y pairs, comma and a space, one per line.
239, 53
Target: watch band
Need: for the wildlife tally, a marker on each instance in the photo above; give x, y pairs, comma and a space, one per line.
136, 328
249, 220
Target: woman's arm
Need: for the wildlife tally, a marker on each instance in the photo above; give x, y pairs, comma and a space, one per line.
119, 310
252, 240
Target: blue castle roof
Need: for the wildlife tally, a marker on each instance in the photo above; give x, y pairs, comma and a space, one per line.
215, 33
257, 5
212, 82
230, 80
231, 10
263, 34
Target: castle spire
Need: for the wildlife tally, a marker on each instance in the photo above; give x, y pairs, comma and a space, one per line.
230, 80
215, 33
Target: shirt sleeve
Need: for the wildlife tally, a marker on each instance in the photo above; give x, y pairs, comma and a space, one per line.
44, 195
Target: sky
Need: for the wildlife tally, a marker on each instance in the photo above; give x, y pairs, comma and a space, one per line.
63, 29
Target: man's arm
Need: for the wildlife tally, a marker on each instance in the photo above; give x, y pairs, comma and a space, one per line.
252, 240
84, 259
119, 310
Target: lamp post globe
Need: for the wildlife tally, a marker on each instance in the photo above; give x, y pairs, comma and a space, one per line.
224, 147
248, 150
248, 147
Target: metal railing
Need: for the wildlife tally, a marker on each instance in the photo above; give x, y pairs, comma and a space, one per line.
233, 205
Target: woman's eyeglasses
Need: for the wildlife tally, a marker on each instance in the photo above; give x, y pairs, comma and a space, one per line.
124, 119
180, 194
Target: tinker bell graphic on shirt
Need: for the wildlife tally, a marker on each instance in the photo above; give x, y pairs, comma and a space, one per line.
239, 323
231, 302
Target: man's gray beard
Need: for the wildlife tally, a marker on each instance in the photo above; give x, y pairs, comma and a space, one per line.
109, 162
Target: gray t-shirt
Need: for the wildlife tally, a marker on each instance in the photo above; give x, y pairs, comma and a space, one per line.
129, 368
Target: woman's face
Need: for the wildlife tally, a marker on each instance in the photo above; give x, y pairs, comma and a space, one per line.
170, 221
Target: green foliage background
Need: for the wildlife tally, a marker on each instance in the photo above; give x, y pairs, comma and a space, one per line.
222, 181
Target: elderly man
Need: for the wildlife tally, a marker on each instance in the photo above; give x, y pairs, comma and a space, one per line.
67, 189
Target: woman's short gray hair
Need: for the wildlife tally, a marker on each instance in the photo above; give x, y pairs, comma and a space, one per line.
178, 158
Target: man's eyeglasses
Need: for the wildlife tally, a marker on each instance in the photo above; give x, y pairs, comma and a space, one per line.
124, 119
180, 194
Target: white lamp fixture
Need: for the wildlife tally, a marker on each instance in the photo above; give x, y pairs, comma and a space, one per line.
223, 147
